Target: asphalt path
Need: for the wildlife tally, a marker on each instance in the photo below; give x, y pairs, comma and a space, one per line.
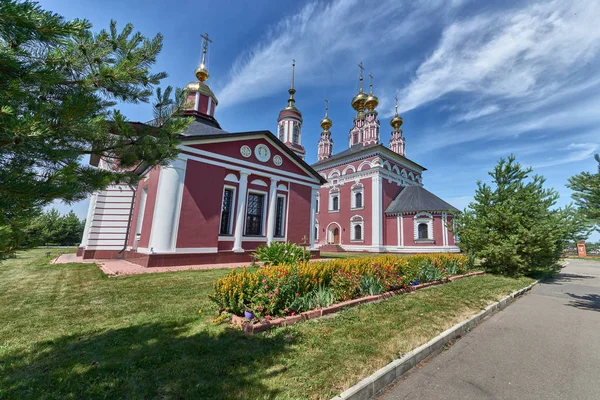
544, 346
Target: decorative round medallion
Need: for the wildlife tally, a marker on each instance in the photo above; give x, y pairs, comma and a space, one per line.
246, 151
262, 153
277, 160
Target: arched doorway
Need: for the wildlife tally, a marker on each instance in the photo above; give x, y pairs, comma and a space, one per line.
333, 234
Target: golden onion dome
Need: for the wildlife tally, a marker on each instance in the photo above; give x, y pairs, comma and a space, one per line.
396, 122
371, 102
326, 123
202, 73
358, 102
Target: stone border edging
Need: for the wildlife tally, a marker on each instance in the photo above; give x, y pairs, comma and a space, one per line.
312, 314
370, 386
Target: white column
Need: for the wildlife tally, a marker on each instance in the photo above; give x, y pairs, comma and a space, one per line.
401, 230
88, 220
313, 210
167, 207
197, 104
444, 230
376, 228
241, 212
272, 209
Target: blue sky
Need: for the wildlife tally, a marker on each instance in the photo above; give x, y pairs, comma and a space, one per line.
476, 80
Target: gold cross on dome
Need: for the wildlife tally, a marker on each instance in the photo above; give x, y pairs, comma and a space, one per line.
360, 66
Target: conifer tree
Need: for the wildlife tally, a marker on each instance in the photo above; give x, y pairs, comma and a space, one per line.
513, 226
587, 194
59, 85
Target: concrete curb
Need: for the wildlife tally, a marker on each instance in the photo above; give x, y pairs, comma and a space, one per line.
370, 386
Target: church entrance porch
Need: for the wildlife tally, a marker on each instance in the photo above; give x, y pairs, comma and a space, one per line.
333, 234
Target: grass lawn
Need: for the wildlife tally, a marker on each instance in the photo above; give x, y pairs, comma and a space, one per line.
68, 332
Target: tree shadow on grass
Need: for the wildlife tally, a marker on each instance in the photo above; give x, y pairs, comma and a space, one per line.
150, 361
590, 302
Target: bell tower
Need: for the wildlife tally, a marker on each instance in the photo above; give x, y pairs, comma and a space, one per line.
397, 142
289, 123
325, 143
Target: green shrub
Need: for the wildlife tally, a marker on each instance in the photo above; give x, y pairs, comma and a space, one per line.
430, 273
370, 286
278, 253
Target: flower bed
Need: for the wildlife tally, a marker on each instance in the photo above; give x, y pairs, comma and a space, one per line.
288, 290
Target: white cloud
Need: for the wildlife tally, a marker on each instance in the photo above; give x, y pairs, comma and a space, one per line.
530, 52
475, 114
574, 152
327, 41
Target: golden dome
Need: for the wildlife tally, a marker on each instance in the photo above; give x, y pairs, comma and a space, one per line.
202, 73
396, 122
358, 102
326, 123
371, 102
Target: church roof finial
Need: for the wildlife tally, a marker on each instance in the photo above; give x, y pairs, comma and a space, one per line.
292, 91
358, 102
397, 121
372, 101
326, 122
202, 73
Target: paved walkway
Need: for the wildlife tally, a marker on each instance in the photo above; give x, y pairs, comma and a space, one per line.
544, 346
123, 267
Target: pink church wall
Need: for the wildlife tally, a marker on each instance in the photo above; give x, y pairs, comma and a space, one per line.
299, 212
152, 184
201, 205
438, 233
390, 231
408, 231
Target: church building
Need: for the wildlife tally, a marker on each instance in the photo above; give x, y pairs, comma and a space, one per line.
374, 199
224, 195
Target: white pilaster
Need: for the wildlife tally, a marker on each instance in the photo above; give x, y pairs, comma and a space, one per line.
376, 216
313, 210
167, 207
241, 212
444, 230
197, 104
272, 209
88, 220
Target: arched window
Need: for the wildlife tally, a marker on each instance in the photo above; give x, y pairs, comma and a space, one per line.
335, 203
358, 200
357, 232
281, 132
423, 231
296, 134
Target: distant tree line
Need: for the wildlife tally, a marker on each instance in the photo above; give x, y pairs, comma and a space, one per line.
50, 228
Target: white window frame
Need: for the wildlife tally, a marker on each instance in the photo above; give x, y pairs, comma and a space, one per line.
316, 230
233, 203
357, 188
360, 221
424, 218
317, 203
284, 216
334, 193
264, 215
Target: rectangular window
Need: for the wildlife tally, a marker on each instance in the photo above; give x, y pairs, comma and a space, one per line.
254, 215
226, 211
280, 216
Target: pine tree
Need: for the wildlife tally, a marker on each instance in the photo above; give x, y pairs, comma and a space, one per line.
59, 85
587, 193
513, 226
